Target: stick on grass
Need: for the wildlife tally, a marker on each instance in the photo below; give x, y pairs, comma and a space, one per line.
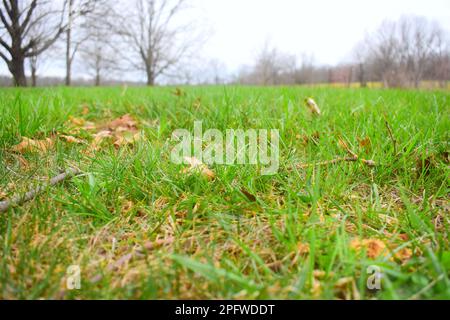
20, 199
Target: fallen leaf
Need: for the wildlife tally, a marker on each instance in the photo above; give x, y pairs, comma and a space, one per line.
249, 196
24, 164
85, 110
196, 165
373, 247
71, 139
79, 122
126, 137
3, 195
30, 145
100, 136
312, 105
365, 143
125, 122
347, 288
303, 248
404, 254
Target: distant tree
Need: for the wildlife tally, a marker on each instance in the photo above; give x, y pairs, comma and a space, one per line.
22, 34
98, 53
402, 52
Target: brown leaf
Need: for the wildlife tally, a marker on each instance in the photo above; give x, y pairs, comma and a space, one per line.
347, 288
249, 196
303, 248
312, 105
365, 143
373, 247
30, 145
24, 164
126, 138
404, 254
125, 122
71, 139
79, 122
198, 166
85, 110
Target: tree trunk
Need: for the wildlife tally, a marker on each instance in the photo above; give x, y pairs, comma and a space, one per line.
68, 43
362, 76
33, 77
97, 78
150, 79
33, 69
68, 59
17, 69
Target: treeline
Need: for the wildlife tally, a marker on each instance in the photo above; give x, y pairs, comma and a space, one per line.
150, 39
398, 54
105, 38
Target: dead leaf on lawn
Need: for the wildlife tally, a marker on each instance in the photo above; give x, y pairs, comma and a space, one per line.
71, 139
30, 145
303, 248
365, 143
312, 105
85, 110
249, 196
346, 289
24, 164
196, 165
404, 254
126, 138
123, 123
79, 122
373, 247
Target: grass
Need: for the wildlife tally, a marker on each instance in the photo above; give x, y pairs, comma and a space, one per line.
301, 234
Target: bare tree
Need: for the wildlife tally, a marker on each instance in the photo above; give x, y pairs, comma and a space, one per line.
417, 40
440, 68
272, 67
18, 37
156, 38
401, 53
99, 56
359, 56
77, 10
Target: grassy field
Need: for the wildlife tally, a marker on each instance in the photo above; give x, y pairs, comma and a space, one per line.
140, 226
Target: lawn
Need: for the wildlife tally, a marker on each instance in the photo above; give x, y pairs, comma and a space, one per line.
142, 227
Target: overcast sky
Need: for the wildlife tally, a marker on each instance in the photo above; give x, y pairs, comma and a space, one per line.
327, 29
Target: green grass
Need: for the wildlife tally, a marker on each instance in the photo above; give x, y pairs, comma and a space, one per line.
293, 242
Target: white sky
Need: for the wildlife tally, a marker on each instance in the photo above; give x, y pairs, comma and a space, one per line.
327, 29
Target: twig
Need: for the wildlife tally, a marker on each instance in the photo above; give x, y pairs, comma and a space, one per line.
369, 163
20, 199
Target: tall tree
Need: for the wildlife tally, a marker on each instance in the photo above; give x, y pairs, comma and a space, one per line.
19, 39
98, 54
77, 9
155, 38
